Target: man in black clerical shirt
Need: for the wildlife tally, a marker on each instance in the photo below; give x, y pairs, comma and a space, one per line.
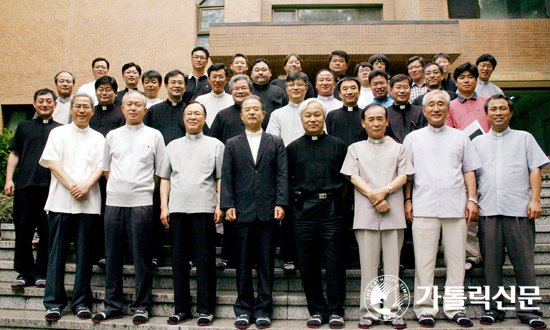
314, 163
272, 97
404, 117
31, 191
433, 76
293, 63
239, 65
338, 64
345, 123
228, 122
197, 84
131, 73
108, 114
167, 116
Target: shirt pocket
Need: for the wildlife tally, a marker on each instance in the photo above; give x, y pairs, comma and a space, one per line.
207, 164
145, 154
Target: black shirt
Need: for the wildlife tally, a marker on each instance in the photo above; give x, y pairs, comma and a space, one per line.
314, 163
107, 118
227, 124
346, 125
120, 94
281, 83
167, 117
448, 85
418, 100
29, 141
403, 120
272, 97
196, 88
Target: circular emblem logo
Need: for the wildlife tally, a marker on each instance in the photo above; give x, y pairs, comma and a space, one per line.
388, 295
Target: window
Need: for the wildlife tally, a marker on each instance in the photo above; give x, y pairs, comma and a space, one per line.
13, 114
498, 9
210, 11
343, 14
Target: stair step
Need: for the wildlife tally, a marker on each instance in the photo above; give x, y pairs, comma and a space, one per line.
35, 320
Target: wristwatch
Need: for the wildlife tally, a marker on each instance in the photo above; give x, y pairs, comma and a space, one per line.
389, 187
473, 200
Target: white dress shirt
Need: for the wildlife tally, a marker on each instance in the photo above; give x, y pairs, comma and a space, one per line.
330, 102
214, 103
286, 123
89, 89
254, 140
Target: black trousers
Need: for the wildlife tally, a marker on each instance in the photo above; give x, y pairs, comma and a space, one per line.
256, 244
229, 242
28, 215
63, 228
159, 237
287, 242
98, 224
517, 234
132, 224
194, 232
321, 238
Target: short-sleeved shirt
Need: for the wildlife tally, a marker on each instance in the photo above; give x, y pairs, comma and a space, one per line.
227, 124
80, 153
463, 112
378, 162
286, 123
133, 155
503, 181
29, 141
193, 164
440, 157
167, 117
214, 103
487, 88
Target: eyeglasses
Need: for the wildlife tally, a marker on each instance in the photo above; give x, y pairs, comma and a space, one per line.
82, 106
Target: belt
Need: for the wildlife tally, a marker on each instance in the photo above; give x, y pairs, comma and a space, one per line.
322, 195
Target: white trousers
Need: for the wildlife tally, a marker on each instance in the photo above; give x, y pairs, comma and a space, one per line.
426, 232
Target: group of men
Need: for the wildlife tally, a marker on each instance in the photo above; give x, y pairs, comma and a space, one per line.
278, 164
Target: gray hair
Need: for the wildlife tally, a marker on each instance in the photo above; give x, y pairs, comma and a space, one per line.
82, 95
432, 93
135, 92
238, 77
306, 103
254, 97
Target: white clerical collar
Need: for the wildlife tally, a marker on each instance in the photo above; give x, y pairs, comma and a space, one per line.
254, 134
104, 107
45, 121
402, 106
501, 134
350, 109
437, 130
194, 136
218, 96
481, 82
78, 129
325, 98
134, 127
63, 99
294, 105
376, 141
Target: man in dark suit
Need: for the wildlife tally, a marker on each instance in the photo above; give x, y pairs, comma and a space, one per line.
254, 190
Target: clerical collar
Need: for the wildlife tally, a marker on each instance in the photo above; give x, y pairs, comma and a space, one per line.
63, 100
315, 137
254, 134
78, 129
349, 109
219, 96
437, 130
43, 121
403, 106
134, 127
106, 107
376, 141
325, 98
294, 105
501, 134
481, 82
169, 102
462, 99
256, 86
194, 136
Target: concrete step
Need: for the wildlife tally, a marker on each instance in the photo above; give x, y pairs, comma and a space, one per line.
35, 320
287, 305
283, 282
